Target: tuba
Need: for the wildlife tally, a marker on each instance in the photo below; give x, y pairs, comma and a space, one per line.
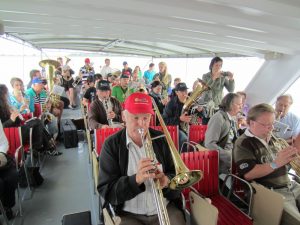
184, 177
191, 104
50, 68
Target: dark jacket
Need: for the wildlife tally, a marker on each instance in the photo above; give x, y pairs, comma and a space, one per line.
172, 112
158, 102
97, 113
115, 186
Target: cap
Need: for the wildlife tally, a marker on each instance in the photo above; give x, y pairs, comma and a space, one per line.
125, 63
103, 85
37, 80
181, 87
138, 103
124, 76
87, 60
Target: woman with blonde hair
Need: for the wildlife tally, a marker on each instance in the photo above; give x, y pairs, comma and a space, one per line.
164, 77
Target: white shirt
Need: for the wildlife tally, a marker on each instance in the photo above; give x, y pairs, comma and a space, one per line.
3, 140
143, 203
105, 70
292, 129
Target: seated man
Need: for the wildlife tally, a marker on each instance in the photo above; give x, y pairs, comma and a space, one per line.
222, 130
263, 158
104, 110
125, 169
121, 92
173, 111
284, 117
8, 177
90, 94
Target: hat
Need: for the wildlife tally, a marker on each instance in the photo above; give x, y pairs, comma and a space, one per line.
181, 87
124, 76
125, 63
87, 60
103, 85
138, 103
37, 80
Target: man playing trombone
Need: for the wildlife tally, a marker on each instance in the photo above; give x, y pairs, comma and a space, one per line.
126, 172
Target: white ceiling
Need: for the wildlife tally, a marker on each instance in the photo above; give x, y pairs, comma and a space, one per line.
158, 28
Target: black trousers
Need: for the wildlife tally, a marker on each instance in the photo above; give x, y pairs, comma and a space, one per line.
8, 185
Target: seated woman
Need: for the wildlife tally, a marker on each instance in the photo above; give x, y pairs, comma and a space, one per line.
41, 141
8, 177
222, 130
156, 90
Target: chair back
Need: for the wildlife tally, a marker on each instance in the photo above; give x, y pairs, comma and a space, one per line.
100, 136
174, 133
197, 133
13, 135
208, 162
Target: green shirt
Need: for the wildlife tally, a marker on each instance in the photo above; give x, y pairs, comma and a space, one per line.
121, 94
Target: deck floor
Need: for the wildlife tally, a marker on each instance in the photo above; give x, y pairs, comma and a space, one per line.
67, 188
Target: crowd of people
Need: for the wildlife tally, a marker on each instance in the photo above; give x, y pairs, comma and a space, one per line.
245, 136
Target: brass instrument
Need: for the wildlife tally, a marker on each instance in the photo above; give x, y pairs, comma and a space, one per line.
50, 67
192, 101
281, 144
162, 212
184, 177
77, 80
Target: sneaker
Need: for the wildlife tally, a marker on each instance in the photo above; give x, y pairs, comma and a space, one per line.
74, 106
71, 107
54, 153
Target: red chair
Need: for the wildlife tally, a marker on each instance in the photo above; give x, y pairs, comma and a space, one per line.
100, 136
173, 130
197, 133
208, 162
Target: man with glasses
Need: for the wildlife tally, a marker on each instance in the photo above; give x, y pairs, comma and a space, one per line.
261, 157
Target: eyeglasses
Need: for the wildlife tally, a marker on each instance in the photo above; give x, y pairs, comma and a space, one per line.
265, 125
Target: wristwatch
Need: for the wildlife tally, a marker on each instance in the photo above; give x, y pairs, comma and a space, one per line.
273, 165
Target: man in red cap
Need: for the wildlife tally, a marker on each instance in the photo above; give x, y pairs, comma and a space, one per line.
125, 169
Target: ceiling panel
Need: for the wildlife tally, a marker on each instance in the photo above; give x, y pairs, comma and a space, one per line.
169, 28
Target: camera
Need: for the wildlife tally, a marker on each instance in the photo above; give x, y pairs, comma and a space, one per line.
225, 74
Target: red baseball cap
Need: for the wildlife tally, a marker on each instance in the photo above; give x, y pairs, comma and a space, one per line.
138, 103
87, 60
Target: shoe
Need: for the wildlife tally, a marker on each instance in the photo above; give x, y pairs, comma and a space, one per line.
74, 106
71, 107
54, 153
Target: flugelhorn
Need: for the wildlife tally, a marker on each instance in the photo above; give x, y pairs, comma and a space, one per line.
184, 177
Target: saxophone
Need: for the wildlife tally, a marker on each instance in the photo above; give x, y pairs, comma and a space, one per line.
191, 103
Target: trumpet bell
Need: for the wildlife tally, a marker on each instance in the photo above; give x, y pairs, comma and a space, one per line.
185, 179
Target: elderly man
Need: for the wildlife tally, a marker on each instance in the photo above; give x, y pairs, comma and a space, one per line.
261, 157
104, 111
287, 125
125, 169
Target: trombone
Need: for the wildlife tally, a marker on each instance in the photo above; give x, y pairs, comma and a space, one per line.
184, 177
